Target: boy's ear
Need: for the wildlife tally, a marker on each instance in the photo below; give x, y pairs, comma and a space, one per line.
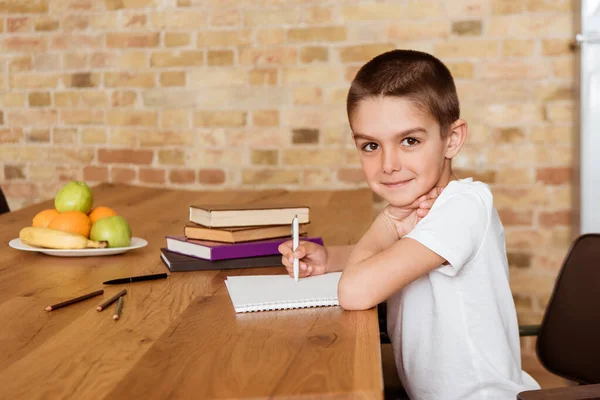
456, 137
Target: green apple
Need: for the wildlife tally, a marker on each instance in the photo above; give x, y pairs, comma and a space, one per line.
115, 230
74, 196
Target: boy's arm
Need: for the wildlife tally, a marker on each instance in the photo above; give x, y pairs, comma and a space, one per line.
367, 282
337, 257
379, 237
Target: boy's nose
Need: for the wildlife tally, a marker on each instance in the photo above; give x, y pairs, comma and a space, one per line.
389, 162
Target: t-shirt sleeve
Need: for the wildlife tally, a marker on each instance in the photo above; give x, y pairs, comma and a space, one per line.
454, 229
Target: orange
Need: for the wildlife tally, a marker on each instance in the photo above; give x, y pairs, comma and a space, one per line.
43, 218
72, 221
101, 212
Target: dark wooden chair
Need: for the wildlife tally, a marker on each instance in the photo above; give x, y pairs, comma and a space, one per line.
3, 204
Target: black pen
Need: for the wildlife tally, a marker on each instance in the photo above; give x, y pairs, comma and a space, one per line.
136, 279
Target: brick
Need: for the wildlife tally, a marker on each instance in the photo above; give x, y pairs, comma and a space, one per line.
223, 38
461, 70
82, 80
137, 21
515, 176
75, 23
24, 7
119, 4
560, 111
264, 76
152, 175
363, 52
237, 97
46, 62
515, 69
467, 28
67, 173
179, 20
270, 177
82, 116
175, 119
557, 47
10, 135
560, 196
265, 118
129, 79
503, 7
270, 36
317, 74
171, 157
214, 137
132, 117
225, 17
125, 156
519, 259
124, 137
177, 59
313, 117
14, 172
20, 64
64, 135
311, 157
563, 67
516, 217
548, 5
219, 118
314, 53
554, 154
66, 99
31, 117
508, 135
93, 136
305, 136
351, 175
71, 155
24, 44
277, 56
551, 91
182, 176
455, 48
39, 99
132, 40
177, 39
160, 99
553, 134
123, 98
68, 41
554, 175
487, 176
220, 57
94, 98
511, 155
264, 157
418, 30
20, 190
318, 15
508, 196
317, 34
211, 176
554, 218
518, 48
515, 113
38, 136
33, 81
122, 175
528, 26
373, 11
308, 95
19, 24
213, 77
272, 16
76, 61
316, 177
173, 138
41, 172
172, 78
46, 25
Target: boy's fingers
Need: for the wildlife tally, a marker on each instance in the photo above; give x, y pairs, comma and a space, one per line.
285, 248
426, 204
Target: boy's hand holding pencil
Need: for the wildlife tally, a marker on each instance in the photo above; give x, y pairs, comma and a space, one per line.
312, 257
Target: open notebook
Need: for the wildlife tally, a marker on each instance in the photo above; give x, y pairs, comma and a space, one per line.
280, 292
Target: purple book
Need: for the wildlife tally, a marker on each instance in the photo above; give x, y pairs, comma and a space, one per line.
226, 251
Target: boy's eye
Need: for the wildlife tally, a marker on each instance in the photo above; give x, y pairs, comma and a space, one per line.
370, 146
409, 141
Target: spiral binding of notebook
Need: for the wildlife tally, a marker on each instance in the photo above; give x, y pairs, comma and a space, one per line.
281, 292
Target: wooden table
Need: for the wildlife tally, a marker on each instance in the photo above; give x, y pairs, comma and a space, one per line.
178, 337
584, 392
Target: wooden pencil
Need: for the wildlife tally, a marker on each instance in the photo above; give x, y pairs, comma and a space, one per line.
75, 300
119, 309
111, 300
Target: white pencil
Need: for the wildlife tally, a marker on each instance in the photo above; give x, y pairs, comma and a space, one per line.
295, 240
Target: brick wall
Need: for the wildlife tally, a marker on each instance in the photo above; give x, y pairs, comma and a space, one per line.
216, 93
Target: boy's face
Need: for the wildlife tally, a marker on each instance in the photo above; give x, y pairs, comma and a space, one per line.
401, 149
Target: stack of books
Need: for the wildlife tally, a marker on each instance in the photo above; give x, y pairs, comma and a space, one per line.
225, 237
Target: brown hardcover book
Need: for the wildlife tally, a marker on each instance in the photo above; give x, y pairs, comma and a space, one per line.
236, 235
219, 216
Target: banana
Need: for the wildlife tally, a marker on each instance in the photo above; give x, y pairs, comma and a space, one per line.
55, 239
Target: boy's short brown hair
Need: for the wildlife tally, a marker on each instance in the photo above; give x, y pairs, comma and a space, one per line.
415, 75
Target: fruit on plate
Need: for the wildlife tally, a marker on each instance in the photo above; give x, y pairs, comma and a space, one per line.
114, 229
55, 239
72, 221
101, 212
74, 196
43, 218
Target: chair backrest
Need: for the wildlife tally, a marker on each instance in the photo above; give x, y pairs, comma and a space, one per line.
3, 204
568, 344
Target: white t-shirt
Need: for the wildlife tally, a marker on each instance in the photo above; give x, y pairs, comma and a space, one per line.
454, 331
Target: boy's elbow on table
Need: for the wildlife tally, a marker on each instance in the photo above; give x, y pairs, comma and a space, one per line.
352, 297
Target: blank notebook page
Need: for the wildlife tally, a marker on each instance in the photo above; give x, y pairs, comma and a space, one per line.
279, 292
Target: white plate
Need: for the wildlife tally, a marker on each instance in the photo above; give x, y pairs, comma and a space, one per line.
136, 243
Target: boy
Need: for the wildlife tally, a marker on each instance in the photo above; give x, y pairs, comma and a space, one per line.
437, 256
